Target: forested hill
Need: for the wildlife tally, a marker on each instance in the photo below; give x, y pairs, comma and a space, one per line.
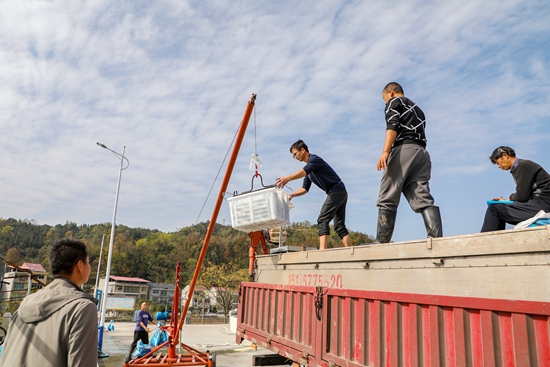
145, 253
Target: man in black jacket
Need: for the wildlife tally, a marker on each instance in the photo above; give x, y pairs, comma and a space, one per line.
532, 191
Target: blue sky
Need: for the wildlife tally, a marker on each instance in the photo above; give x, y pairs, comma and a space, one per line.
170, 81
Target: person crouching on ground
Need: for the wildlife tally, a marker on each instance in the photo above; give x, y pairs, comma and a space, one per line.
321, 174
532, 191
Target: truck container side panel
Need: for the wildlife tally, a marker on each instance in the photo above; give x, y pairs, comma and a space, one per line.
375, 321
307, 327
542, 337
383, 329
280, 302
276, 324
273, 312
291, 310
318, 342
487, 335
347, 333
520, 340
476, 341
409, 321
406, 321
265, 310
506, 341
392, 333
358, 331
298, 307
430, 341
458, 345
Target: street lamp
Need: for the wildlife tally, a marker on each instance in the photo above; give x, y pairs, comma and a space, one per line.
122, 158
98, 266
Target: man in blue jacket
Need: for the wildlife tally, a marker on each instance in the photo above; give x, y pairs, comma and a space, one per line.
318, 171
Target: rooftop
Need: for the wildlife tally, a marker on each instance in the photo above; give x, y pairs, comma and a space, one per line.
128, 279
33, 267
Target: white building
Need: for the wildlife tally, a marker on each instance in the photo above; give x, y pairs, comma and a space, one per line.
17, 279
200, 298
162, 293
126, 287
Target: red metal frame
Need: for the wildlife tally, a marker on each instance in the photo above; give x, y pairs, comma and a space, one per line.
194, 357
256, 238
369, 328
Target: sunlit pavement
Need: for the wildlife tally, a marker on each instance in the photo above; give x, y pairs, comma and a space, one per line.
216, 338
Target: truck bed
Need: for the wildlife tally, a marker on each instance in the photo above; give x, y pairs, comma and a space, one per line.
471, 300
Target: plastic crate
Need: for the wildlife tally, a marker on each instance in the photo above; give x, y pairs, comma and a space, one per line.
259, 210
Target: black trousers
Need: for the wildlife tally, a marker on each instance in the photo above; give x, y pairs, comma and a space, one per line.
334, 207
138, 335
497, 215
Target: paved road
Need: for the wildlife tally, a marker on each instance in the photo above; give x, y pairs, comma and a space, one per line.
216, 338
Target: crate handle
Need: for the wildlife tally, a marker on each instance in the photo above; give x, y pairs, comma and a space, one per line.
252, 184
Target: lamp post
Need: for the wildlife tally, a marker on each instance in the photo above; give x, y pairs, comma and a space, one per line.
30, 283
122, 158
98, 266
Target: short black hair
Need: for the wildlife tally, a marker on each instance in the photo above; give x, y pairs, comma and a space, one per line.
393, 86
65, 254
498, 152
298, 145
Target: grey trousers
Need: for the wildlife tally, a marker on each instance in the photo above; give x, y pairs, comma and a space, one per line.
408, 172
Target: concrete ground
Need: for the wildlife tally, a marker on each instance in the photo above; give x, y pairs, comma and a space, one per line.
216, 338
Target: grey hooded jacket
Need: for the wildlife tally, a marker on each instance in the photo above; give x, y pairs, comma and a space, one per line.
54, 327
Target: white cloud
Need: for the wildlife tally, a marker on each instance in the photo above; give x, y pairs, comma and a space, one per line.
171, 80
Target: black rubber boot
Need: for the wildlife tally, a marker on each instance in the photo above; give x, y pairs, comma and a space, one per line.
386, 223
432, 221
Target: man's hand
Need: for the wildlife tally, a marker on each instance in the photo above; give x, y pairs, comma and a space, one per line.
382, 161
281, 182
388, 143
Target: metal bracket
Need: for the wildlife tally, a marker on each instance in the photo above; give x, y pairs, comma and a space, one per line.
318, 302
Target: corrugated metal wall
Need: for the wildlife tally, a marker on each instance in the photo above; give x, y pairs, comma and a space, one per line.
335, 327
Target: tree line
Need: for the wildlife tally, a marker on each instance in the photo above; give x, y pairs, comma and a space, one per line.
147, 253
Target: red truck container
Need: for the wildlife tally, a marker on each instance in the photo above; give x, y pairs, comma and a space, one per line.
473, 300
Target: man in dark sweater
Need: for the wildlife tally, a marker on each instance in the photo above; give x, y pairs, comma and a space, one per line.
407, 166
318, 171
141, 331
532, 191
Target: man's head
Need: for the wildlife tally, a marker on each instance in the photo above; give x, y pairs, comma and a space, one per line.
143, 306
300, 151
69, 259
504, 157
392, 90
